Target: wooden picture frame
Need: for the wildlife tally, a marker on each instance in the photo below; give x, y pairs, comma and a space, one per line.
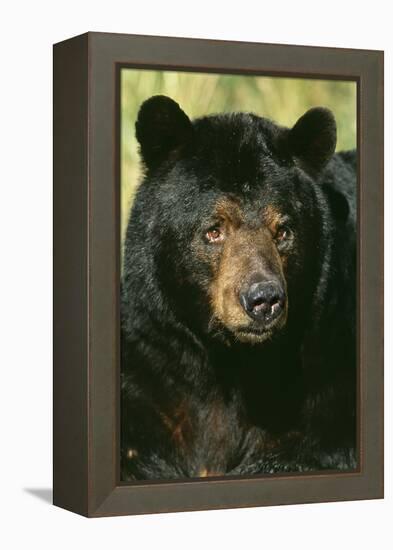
87, 273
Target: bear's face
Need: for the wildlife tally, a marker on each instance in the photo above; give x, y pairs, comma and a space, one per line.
237, 212
246, 248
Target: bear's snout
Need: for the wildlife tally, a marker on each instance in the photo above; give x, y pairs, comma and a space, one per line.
263, 301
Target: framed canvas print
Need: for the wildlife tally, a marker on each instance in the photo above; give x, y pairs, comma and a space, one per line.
218, 274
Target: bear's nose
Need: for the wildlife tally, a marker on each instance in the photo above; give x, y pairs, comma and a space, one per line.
263, 301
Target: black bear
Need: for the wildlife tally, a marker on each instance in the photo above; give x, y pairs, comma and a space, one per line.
238, 298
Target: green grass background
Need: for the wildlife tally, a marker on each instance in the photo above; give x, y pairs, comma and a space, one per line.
282, 99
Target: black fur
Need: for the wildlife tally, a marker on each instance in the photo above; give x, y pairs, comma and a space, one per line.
195, 401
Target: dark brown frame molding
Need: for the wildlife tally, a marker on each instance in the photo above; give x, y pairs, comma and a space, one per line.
87, 273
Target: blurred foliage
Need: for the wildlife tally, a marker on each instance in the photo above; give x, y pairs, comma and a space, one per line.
283, 100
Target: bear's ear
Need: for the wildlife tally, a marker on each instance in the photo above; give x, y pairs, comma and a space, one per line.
312, 140
161, 128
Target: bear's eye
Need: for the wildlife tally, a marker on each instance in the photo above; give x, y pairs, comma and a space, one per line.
283, 234
214, 235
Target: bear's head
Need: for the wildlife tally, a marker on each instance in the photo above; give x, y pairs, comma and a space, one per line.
233, 215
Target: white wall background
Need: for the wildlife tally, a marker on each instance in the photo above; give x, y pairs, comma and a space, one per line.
28, 30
